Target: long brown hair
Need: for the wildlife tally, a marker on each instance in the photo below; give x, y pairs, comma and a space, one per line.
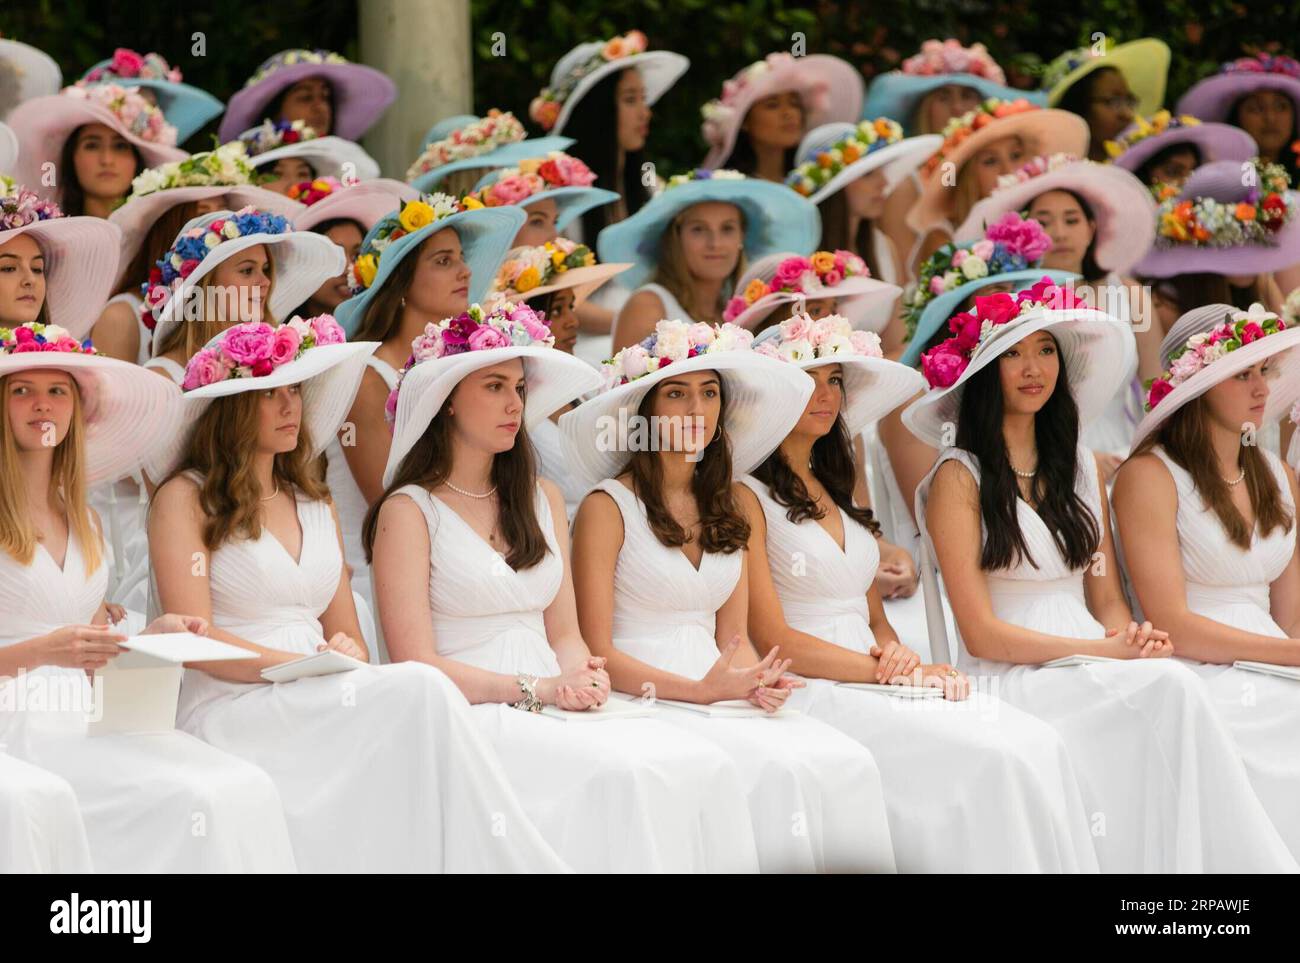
723, 527
67, 488
673, 273
157, 241
383, 315
514, 474
1186, 438
195, 334
835, 231
220, 449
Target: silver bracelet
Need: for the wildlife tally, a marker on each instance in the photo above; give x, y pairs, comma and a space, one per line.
528, 686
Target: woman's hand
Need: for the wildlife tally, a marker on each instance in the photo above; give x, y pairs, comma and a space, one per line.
116, 613
578, 689
86, 647
1142, 641
771, 696
896, 577
894, 659
345, 644
170, 622
723, 682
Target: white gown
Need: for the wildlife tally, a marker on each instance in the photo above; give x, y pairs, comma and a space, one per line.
798, 772
629, 795
151, 802
381, 768
1112, 430
1230, 585
545, 436
972, 787
1165, 788
40, 825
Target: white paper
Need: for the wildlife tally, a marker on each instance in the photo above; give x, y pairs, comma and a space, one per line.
175, 648
612, 709
1268, 668
322, 663
136, 700
727, 709
897, 691
1077, 660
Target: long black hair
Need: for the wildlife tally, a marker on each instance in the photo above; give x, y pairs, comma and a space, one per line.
832, 465
1074, 527
594, 125
1146, 171
1092, 271
1286, 158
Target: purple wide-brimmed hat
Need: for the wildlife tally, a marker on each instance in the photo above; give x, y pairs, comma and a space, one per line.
361, 93
1249, 210
1213, 98
1148, 136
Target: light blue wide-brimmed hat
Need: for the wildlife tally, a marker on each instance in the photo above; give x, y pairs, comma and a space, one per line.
937, 312
187, 108
940, 64
776, 219
572, 202
503, 155
486, 234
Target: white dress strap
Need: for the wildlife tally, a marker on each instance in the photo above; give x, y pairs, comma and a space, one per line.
672, 307
173, 370
384, 370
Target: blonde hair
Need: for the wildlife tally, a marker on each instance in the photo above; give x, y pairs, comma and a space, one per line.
67, 487
965, 194
195, 334
674, 273
461, 182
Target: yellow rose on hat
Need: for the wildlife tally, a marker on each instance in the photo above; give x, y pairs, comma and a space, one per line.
527, 280
366, 267
415, 215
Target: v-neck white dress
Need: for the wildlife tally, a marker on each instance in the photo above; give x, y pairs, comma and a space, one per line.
1164, 784
972, 787
151, 802
381, 768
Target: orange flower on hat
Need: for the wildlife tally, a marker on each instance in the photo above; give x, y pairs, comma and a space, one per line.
1245, 212
755, 290
823, 261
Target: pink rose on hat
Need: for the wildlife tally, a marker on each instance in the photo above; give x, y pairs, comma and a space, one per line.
285, 344
942, 368
326, 330
485, 337
203, 369
248, 344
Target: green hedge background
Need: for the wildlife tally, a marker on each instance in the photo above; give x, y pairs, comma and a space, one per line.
720, 37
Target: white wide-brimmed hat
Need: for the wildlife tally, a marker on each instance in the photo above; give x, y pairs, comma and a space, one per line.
34, 71
125, 408
865, 301
80, 258
765, 397
589, 63
328, 156
553, 378
303, 262
833, 156
1271, 340
873, 385
366, 202
329, 373
1123, 208
831, 89
43, 126
1096, 349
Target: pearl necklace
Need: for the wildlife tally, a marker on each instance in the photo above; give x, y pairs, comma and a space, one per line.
461, 491
1023, 474
1236, 481
274, 493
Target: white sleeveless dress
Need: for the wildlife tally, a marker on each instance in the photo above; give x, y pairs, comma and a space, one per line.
551, 464
622, 795
1165, 788
40, 825
160, 802
798, 772
1230, 585
381, 768
1112, 430
972, 787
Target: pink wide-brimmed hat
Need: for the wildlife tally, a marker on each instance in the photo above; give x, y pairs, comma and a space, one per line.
366, 202
1214, 97
831, 89
361, 93
1148, 136
787, 278
1123, 208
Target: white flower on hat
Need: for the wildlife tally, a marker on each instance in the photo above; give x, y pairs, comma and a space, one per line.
1257, 313
228, 230
974, 268
672, 341
797, 350
836, 344
211, 240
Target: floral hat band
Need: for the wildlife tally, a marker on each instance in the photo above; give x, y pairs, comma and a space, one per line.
34, 336
950, 57
226, 166
498, 128
129, 65
530, 268
1013, 243
803, 338
317, 189
413, 215
960, 128
1144, 127
810, 276
1035, 167
1261, 212
257, 349
271, 134
943, 364
513, 185
672, 340
1263, 63
503, 325
168, 275
546, 106
290, 58
869, 136
20, 207
1238, 329
141, 118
